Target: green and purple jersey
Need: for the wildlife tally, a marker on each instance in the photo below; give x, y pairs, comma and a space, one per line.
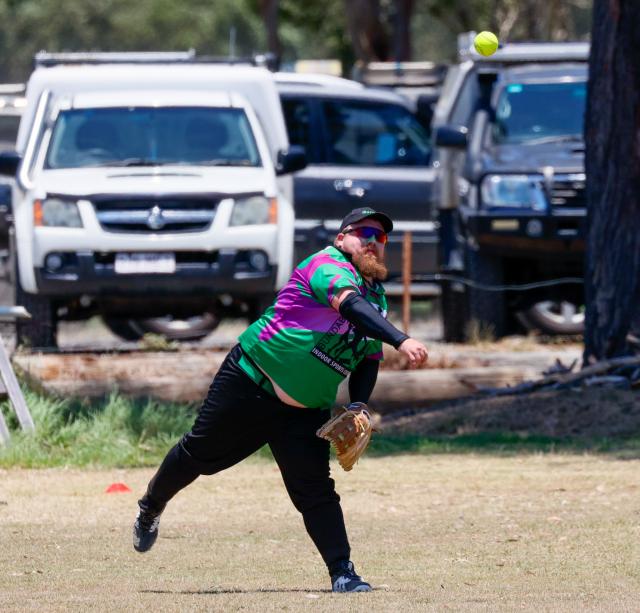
305, 345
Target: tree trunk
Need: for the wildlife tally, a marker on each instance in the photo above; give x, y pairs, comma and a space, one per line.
269, 13
612, 133
368, 36
402, 30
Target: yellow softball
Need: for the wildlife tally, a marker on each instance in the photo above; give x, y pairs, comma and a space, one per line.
486, 43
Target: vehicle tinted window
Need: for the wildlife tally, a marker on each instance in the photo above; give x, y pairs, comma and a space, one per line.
365, 134
530, 112
143, 135
297, 116
8, 130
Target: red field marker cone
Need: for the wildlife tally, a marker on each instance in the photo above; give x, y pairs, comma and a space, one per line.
117, 488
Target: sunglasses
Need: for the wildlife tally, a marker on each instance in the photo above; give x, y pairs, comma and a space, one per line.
366, 233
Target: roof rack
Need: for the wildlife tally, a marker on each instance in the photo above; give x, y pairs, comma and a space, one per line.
46, 59
12, 89
401, 74
524, 52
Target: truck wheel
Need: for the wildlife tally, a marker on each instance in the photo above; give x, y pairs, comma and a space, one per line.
173, 329
257, 306
486, 308
554, 317
123, 328
41, 330
453, 301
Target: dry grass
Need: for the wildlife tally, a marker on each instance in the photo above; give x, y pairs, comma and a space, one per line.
462, 533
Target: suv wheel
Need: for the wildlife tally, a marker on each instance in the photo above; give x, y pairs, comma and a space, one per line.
41, 330
257, 306
486, 308
173, 329
554, 317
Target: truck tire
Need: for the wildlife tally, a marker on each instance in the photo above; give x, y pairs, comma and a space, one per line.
39, 332
487, 309
173, 329
453, 301
257, 306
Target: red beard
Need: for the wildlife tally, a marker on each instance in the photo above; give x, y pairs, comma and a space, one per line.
370, 266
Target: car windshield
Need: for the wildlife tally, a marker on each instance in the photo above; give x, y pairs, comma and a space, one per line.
146, 136
530, 113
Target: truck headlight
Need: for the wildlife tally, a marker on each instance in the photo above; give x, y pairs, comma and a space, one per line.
54, 212
254, 210
514, 191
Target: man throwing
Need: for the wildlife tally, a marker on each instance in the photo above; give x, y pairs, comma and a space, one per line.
277, 385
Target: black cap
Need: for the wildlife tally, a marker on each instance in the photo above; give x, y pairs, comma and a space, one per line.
367, 213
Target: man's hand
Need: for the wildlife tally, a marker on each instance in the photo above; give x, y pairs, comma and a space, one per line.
414, 351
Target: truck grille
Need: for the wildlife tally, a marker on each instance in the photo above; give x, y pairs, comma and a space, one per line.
155, 215
569, 190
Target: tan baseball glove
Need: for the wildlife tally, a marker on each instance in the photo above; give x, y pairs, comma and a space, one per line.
349, 431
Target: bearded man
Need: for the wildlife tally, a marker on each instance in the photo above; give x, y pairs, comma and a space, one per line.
278, 384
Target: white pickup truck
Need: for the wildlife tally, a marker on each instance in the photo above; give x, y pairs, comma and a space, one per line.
149, 192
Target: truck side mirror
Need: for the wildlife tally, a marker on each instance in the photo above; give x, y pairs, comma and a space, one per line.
291, 160
9, 162
454, 137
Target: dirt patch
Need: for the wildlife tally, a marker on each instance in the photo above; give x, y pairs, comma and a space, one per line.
583, 414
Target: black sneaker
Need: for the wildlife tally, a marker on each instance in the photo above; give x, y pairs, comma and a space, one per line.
145, 530
344, 579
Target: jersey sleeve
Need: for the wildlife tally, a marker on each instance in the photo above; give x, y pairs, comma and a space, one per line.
329, 278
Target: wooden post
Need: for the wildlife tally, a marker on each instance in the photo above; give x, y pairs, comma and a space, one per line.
9, 379
406, 281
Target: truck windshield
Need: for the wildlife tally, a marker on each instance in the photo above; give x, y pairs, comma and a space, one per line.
532, 113
145, 136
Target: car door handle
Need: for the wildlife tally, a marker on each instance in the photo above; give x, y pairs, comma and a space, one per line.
355, 189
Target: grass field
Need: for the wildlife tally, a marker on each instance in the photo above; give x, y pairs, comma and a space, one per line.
533, 532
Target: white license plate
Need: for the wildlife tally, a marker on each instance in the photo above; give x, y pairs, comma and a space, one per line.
144, 263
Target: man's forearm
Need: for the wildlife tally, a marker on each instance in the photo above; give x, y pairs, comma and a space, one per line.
357, 310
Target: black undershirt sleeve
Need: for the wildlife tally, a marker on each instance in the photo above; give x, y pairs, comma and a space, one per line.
362, 380
357, 310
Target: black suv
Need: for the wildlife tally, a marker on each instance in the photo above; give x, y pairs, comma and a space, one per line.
512, 188
364, 147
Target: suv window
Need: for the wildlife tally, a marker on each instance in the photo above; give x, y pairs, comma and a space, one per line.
297, 115
371, 134
8, 131
531, 112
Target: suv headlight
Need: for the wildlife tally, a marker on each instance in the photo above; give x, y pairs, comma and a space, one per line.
254, 210
54, 212
514, 191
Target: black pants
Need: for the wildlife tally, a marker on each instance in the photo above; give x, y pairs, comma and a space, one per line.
236, 419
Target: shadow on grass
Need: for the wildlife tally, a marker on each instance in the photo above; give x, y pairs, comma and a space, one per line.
237, 590
500, 443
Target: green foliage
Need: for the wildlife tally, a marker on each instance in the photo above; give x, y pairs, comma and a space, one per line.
315, 30
309, 29
123, 432
115, 432
27, 26
500, 443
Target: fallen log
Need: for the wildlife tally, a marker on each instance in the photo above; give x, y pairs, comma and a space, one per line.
186, 376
